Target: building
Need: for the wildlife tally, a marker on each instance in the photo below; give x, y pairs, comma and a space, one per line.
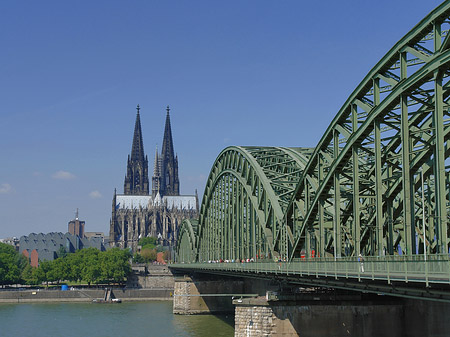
41, 246
136, 213
13, 241
99, 235
76, 227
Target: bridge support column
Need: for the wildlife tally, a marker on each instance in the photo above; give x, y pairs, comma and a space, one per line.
205, 295
259, 317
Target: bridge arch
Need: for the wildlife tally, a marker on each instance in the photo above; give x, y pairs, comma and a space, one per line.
246, 195
382, 185
186, 249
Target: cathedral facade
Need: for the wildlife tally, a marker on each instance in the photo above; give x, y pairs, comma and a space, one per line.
138, 213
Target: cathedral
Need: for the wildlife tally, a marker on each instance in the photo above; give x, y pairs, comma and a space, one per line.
137, 213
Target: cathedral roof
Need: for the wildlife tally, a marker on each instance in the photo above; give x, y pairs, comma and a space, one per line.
184, 202
181, 202
133, 201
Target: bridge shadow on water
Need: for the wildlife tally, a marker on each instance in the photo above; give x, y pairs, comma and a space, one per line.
206, 325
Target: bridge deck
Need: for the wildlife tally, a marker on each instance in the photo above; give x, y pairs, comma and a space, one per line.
389, 269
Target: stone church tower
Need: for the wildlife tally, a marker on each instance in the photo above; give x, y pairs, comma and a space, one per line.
165, 176
136, 179
136, 213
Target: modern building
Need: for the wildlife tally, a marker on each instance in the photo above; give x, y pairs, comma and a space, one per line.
46, 246
138, 213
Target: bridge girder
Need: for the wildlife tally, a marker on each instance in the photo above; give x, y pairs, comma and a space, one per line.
246, 195
186, 249
376, 184
369, 164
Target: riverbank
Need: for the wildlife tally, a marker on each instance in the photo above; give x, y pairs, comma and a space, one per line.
83, 295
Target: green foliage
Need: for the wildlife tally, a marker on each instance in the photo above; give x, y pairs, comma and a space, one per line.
137, 258
89, 265
149, 242
61, 252
11, 265
115, 265
148, 254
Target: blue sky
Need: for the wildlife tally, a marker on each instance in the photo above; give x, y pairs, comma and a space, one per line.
270, 73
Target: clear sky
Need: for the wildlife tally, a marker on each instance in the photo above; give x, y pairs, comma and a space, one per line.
270, 73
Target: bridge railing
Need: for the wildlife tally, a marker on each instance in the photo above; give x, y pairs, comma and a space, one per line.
417, 268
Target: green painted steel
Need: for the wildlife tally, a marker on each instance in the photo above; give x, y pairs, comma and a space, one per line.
246, 196
368, 164
186, 243
376, 185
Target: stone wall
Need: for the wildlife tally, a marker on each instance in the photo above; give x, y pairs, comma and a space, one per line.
83, 295
427, 318
257, 317
198, 296
151, 276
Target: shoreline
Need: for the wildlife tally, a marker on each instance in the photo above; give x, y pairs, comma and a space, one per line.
85, 295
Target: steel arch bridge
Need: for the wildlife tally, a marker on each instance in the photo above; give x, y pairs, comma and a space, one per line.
376, 185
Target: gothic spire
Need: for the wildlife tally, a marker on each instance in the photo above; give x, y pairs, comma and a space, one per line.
156, 167
136, 179
170, 184
167, 145
137, 149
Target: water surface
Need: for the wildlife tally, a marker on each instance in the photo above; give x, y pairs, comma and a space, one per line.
134, 319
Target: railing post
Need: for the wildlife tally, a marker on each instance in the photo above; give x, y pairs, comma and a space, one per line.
359, 268
372, 266
406, 269
335, 269
346, 269
388, 274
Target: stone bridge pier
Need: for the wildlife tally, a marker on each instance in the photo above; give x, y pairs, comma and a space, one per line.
265, 308
198, 293
321, 315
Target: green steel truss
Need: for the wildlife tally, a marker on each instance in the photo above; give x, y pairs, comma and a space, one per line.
377, 183
246, 197
186, 244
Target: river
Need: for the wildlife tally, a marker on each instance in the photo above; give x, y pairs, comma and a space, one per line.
134, 319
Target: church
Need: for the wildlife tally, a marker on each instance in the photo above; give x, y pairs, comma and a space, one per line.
136, 213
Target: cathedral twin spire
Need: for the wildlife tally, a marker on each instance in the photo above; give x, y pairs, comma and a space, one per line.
136, 179
165, 174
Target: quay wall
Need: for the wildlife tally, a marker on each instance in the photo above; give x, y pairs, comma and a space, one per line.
83, 295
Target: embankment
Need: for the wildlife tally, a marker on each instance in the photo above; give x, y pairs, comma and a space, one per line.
82, 295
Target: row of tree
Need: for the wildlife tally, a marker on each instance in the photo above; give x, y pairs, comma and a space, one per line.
149, 249
88, 265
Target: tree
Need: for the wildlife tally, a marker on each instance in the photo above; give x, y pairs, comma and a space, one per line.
27, 275
115, 265
60, 269
61, 252
148, 242
137, 258
44, 273
148, 254
91, 270
11, 265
